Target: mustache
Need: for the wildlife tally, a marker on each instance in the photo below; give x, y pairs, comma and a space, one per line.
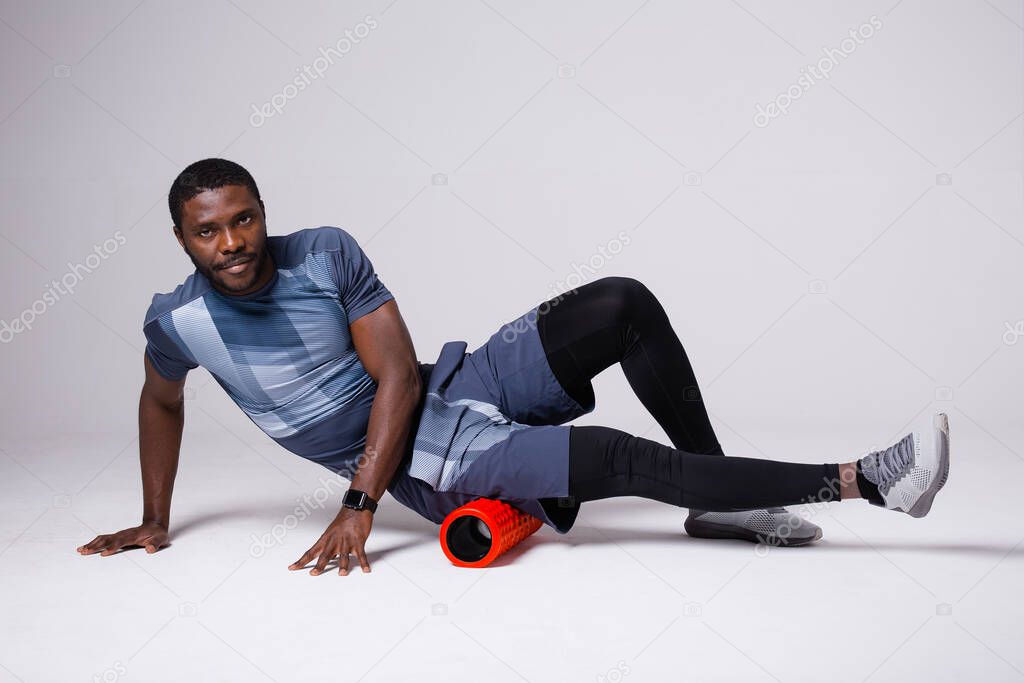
235, 262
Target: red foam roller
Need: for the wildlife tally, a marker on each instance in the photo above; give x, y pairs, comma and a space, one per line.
475, 534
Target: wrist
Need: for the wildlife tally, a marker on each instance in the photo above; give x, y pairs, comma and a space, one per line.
356, 499
348, 513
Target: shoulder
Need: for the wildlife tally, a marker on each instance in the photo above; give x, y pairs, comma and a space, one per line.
191, 289
294, 247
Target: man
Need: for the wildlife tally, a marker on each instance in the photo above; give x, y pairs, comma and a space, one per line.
307, 340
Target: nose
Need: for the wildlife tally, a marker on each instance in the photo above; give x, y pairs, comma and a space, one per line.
231, 241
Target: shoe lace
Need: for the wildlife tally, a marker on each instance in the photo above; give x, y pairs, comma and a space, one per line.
894, 461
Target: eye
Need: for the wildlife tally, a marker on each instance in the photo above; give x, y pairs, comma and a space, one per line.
204, 232
245, 219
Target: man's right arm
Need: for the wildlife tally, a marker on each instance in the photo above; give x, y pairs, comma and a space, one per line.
161, 420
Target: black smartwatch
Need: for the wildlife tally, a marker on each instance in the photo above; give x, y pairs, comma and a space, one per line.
358, 500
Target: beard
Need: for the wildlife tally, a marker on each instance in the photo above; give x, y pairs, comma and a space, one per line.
226, 281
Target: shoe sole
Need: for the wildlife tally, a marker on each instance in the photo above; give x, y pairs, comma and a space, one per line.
941, 425
699, 529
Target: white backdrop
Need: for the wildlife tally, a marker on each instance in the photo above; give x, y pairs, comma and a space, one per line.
833, 221
850, 263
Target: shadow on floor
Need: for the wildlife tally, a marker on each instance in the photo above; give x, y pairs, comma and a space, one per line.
397, 518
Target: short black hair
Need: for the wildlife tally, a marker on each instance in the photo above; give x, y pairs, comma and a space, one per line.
206, 174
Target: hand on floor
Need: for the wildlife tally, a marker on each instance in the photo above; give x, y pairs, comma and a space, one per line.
346, 534
150, 535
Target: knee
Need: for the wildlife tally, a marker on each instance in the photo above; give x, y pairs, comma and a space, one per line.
631, 298
621, 283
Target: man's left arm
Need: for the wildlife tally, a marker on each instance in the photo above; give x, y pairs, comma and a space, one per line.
385, 349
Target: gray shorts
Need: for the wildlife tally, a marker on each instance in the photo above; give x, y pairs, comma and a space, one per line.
491, 426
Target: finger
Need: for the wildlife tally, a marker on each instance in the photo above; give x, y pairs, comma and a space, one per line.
363, 562
123, 541
321, 564
115, 544
158, 541
304, 560
343, 562
94, 545
100, 546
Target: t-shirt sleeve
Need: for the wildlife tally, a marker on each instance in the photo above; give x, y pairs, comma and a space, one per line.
164, 353
360, 289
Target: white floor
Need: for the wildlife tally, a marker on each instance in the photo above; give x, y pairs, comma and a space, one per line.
624, 596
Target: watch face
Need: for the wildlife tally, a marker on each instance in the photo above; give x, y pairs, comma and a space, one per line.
354, 499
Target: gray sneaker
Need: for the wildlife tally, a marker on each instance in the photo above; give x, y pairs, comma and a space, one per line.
772, 526
909, 473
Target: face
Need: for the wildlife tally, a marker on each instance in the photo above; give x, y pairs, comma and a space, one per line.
224, 232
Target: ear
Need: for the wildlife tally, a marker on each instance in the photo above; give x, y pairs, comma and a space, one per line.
263, 209
179, 236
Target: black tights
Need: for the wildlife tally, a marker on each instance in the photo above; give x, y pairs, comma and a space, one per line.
618, 320
606, 462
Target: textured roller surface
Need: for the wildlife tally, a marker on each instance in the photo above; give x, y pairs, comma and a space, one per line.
477, 533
